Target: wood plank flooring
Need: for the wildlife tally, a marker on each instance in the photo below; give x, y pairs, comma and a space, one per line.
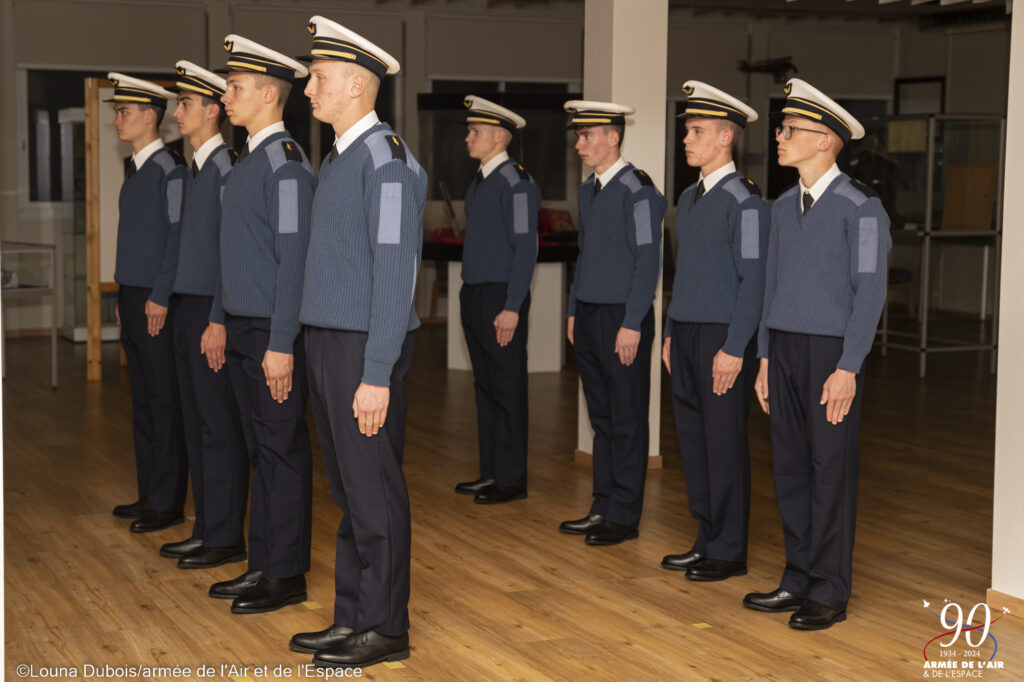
497, 592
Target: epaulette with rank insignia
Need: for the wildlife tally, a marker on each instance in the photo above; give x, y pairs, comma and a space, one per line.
868, 190
397, 148
291, 151
644, 178
752, 187
233, 155
179, 160
522, 172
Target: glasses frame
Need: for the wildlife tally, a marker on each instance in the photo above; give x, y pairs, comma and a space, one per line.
779, 131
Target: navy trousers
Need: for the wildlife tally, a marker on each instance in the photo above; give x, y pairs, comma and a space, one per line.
281, 497
712, 433
617, 398
371, 565
816, 467
217, 459
160, 461
500, 380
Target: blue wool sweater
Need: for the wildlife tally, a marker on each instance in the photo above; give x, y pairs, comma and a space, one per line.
501, 231
619, 244
826, 270
264, 232
719, 277
364, 250
199, 253
148, 224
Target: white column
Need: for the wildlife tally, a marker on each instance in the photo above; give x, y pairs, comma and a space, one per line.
625, 57
1008, 510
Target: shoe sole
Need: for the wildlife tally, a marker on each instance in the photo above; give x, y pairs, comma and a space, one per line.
386, 658
226, 560
804, 626
770, 609
605, 543
227, 595
175, 522
127, 516
716, 578
520, 496
302, 649
297, 599
569, 531
673, 567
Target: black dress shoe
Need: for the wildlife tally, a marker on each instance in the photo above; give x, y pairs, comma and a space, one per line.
816, 616
133, 510
494, 494
176, 550
208, 557
774, 601
581, 526
711, 570
229, 589
362, 650
154, 520
473, 487
609, 533
681, 562
270, 594
312, 642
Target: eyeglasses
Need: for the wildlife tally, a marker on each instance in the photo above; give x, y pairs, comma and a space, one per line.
786, 132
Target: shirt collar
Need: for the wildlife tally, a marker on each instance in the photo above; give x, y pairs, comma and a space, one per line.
255, 140
607, 176
715, 176
488, 168
818, 188
345, 140
140, 156
203, 153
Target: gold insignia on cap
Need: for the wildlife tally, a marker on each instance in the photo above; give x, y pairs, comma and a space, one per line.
113, 80
311, 27
179, 70
687, 90
787, 89
228, 45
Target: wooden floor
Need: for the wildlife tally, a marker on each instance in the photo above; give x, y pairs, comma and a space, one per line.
498, 592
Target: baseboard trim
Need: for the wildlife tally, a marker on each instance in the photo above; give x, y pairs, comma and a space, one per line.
997, 600
587, 459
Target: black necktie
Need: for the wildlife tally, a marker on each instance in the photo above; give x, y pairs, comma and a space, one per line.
245, 151
195, 168
479, 176
333, 155
129, 167
597, 186
808, 201
700, 191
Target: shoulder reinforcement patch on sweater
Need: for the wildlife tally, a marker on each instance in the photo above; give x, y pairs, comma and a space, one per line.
166, 160
852, 192
737, 188
631, 181
225, 159
508, 171
790, 191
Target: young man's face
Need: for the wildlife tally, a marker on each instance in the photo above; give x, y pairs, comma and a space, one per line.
130, 122
703, 141
327, 89
483, 141
597, 146
242, 100
190, 114
802, 144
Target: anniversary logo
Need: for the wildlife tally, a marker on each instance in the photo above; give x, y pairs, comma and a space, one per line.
966, 647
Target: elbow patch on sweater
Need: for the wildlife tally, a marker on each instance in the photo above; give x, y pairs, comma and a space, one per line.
867, 257
174, 188
642, 220
288, 206
749, 234
520, 213
389, 225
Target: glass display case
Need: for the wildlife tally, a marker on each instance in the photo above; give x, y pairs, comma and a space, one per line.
940, 178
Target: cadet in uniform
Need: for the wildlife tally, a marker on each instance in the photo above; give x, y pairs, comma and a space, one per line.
710, 348
147, 251
263, 237
213, 434
497, 265
357, 305
825, 283
611, 319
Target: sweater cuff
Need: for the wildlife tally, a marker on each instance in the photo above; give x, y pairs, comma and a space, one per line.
160, 296
216, 314
734, 347
376, 373
633, 321
668, 327
281, 342
851, 362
